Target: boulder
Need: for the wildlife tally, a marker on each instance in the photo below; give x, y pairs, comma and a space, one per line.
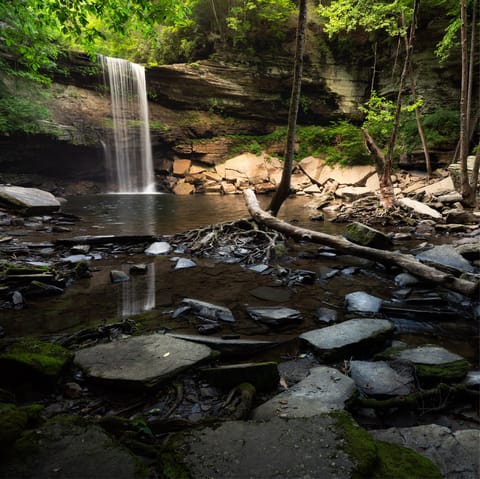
446, 257
419, 208
159, 247
355, 175
140, 361
324, 390
181, 167
312, 167
350, 337
380, 379
352, 193
364, 235
30, 201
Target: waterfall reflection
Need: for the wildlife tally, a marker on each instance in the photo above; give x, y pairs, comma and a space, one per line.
138, 294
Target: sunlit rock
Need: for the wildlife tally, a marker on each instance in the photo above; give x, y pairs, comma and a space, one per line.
157, 248
362, 302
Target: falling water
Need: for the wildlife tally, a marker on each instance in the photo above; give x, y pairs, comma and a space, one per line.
129, 154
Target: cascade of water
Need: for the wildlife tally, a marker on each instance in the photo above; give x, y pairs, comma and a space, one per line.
129, 155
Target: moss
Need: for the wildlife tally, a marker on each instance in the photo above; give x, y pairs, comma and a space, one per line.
449, 372
397, 462
366, 236
13, 421
171, 467
35, 357
380, 460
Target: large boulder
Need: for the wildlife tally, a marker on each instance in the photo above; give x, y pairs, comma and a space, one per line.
30, 201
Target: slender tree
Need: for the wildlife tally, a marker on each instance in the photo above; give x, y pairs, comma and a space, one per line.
283, 189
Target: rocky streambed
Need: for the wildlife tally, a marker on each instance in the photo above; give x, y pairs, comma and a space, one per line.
261, 357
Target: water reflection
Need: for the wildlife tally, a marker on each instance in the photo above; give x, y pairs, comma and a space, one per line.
138, 294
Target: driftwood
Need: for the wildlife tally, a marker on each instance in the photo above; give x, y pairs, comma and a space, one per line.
404, 261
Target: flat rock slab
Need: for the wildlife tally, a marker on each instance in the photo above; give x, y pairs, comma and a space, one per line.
432, 355
203, 309
323, 391
350, 336
275, 316
234, 347
456, 454
279, 295
28, 200
380, 379
420, 208
69, 448
281, 449
363, 302
141, 360
446, 256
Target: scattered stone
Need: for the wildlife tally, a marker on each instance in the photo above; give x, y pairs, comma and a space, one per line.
157, 248
184, 263
140, 268
263, 376
406, 279
117, 276
324, 390
274, 316
259, 268
360, 301
353, 336
72, 390
363, 235
81, 249
380, 379
326, 315
76, 258
143, 361
455, 453
204, 310
461, 216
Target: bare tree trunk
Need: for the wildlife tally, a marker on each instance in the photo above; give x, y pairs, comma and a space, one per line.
407, 262
421, 132
468, 193
283, 189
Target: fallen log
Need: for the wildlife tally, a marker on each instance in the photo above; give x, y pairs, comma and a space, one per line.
407, 262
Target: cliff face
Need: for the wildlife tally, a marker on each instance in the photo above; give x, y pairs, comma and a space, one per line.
194, 108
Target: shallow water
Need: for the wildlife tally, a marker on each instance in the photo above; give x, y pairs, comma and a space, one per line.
91, 302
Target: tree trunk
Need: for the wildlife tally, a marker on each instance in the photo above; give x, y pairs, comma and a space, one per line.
468, 193
283, 189
407, 262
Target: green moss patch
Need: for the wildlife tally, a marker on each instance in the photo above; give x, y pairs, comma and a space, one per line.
447, 373
30, 359
380, 460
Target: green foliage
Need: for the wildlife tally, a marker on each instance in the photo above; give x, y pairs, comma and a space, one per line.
379, 115
440, 128
22, 107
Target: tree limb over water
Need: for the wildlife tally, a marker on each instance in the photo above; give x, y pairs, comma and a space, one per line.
404, 261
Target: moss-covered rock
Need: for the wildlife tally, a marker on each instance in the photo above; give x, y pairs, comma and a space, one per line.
361, 234
13, 421
379, 460
30, 360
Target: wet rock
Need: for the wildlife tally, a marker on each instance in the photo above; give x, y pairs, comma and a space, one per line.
81, 249
204, 310
353, 336
140, 268
419, 208
29, 360
72, 390
473, 378
470, 251
40, 289
140, 361
433, 364
361, 234
184, 263
294, 370
380, 379
323, 390
362, 302
326, 315
68, 446
274, 316
17, 300
455, 453
157, 248
278, 295
28, 200
458, 216
234, 347
117, 276
446, 257
259, 268
263, 376
405, 279
76, 258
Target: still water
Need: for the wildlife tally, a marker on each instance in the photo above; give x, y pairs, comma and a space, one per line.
160, 214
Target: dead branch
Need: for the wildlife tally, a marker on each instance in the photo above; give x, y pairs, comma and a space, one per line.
404, 261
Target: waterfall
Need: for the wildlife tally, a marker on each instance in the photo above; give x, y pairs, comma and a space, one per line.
129, 152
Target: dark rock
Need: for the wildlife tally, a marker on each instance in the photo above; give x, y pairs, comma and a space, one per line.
117, 276
326, 315
204, 310
446, 257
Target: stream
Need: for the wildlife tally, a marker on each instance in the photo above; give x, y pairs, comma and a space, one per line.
155, 295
